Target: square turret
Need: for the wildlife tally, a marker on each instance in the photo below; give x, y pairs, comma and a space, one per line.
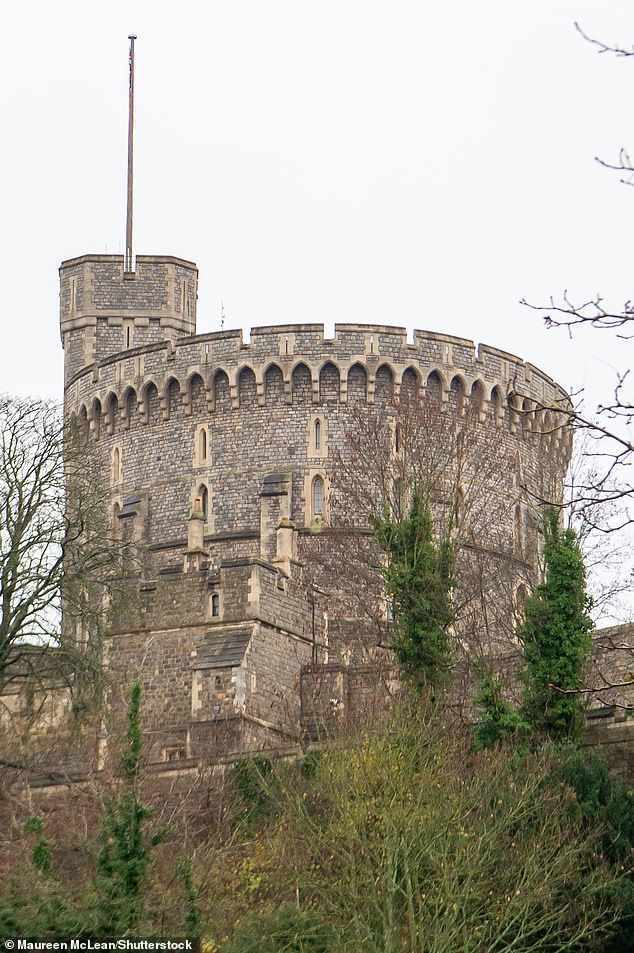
105, 310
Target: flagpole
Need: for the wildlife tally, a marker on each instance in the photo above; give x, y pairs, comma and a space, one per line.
128, 226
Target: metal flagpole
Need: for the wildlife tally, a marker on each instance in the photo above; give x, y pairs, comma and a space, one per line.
128, 226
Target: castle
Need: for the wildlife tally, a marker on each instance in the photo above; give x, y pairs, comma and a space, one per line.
222, 458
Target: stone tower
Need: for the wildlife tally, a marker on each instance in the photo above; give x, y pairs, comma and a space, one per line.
220, 460
105, 310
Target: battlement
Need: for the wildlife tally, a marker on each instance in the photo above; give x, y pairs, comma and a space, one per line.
104, 309
357, 356
108, 316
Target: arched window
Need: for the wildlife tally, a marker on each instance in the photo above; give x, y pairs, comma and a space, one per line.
116, 524
84, 426
215, 605
96, 419
518, 530
203, 493
318, 435
202, 446
318, 497
116, 465
521, 595
112, 410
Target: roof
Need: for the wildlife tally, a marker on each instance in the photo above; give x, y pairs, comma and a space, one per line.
222, 648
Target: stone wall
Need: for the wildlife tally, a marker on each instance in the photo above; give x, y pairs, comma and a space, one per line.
212, 448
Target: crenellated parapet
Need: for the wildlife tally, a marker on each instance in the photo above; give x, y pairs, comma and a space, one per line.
298, 363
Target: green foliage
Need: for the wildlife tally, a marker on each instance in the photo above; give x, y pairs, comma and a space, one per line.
254, 783
41, 853
407, 840
605, 804
39, 907
287, 929
35, 903
418, 578
556, 636
131, 752
604, 800
125, 848
498, 720
193, 918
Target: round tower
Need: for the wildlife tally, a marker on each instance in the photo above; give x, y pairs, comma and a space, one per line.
224, 462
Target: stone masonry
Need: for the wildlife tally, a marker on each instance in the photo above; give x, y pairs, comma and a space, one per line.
219, 456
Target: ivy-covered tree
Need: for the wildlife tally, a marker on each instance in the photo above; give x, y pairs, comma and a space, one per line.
418, 578
497, 717
556, 635
125, 847
112, 904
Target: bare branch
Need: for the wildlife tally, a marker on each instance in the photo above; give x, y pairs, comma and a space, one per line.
604, 47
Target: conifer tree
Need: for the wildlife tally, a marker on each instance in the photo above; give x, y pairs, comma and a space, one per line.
418, 578
125, 848
556, 635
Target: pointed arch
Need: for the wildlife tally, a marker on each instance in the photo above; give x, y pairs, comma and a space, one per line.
111, 412
329, 383
357, 384
221, 391
116, 523
95, 415
150, 400
203, 445
497, 405
317, 497
384, 384
513, 410
548, 428
196, 395
274, 385
83, 425
434, 387
247, 388
301, 384
116, 464
130, 405
518, 530
203, 495
457, 392
410, 385
478, 393
172, 398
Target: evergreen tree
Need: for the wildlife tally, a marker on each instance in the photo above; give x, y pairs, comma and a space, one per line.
418, 578
498, 719
556, 635
125, 849
41, 853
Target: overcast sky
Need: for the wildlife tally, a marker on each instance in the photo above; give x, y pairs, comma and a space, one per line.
397, 162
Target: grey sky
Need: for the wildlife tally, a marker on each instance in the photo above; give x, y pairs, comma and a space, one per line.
396, 162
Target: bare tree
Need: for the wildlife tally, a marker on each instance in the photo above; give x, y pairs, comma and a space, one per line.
56, 547
601, 486
447, 453
603, 493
